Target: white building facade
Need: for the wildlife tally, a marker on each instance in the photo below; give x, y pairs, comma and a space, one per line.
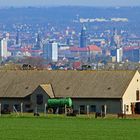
119, 55
50, 51
3, 49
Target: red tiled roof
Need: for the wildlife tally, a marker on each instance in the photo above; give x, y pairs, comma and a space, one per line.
94, 48
86, 49
129, 48
24, 50
78, 49
76, 65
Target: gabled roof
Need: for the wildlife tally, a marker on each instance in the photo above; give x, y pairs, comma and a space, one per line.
75, 84
48, 89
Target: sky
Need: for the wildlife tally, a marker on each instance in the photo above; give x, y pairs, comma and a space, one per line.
20, 3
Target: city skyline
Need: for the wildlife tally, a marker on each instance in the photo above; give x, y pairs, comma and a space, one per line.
108, 3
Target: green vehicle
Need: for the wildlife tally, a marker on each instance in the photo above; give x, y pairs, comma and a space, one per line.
63, 105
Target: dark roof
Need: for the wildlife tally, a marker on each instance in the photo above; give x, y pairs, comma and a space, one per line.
81, 84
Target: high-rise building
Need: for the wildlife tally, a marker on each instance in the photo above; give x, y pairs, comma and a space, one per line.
17, 38
132, 55
112, 40
50, 51
119, 55
38, 44
3, 49
83, 38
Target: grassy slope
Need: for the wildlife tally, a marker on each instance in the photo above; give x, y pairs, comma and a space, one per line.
68, 129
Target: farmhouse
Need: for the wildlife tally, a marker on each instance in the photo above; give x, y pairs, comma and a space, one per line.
28, 91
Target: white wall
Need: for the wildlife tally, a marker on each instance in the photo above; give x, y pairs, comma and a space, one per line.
50, 51
130, 93
3, 49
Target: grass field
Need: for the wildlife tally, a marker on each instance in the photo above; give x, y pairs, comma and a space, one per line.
58, 128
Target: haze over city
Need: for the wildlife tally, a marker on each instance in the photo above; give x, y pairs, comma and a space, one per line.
66, 63
70, 34
20, 3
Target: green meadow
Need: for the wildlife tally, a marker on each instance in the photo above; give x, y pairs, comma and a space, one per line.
65, 128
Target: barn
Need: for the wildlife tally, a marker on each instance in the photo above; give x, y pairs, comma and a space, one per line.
92, 91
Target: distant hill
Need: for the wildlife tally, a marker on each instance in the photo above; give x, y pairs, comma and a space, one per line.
32, 14
66, 14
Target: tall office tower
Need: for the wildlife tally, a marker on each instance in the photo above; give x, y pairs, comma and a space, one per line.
112, 40
3, 49
50, 51
83, 38
17, 38
38, 42
119, 55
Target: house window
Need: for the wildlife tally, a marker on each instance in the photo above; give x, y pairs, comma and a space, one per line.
93, 108
6, 106
127, 108
17, 107
39, 98
27, 106
82, 109
137, 95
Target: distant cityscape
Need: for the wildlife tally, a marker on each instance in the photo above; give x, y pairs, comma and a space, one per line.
77, 42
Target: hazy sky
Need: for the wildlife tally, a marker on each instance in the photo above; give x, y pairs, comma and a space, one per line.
69, 2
